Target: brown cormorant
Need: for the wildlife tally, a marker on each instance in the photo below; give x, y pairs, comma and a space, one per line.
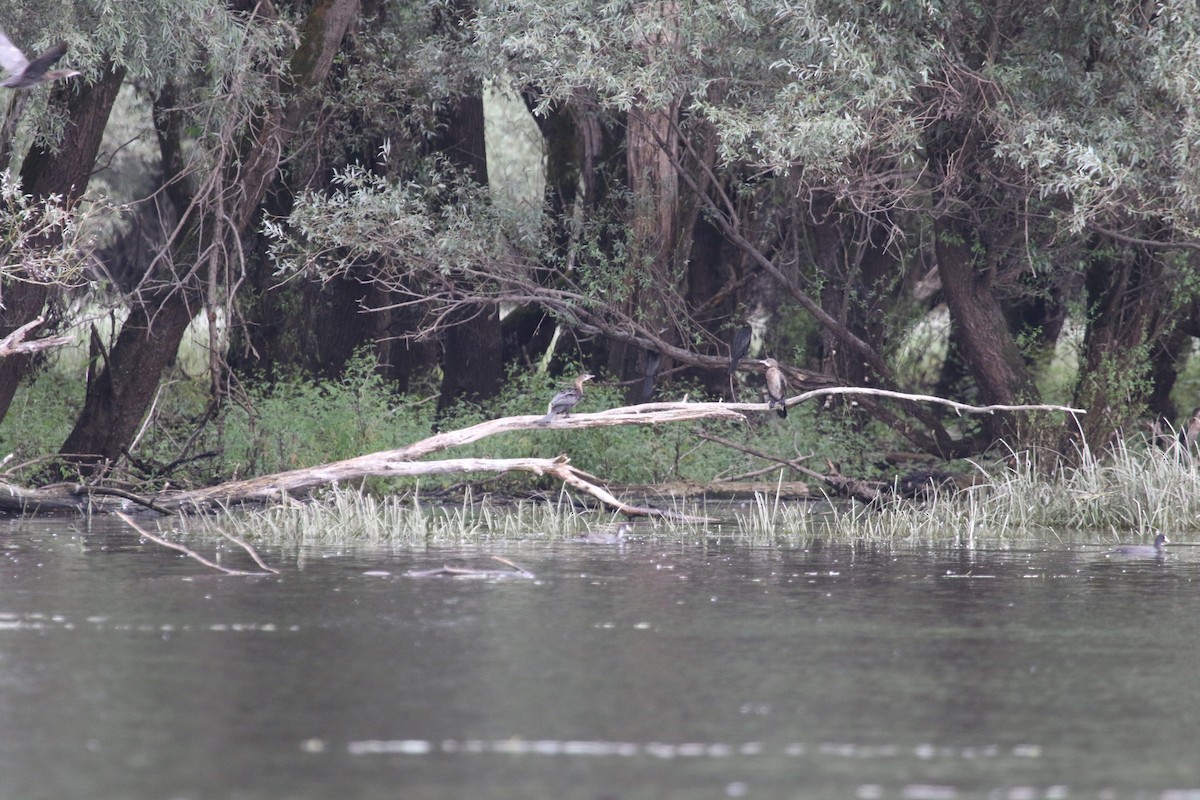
567, 399
23, 73
1189, 436
776, 387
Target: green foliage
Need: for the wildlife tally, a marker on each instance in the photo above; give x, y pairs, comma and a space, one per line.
42, 414
26, 224
437, 224
296, 422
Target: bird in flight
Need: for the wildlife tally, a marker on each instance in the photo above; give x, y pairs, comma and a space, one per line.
23, 73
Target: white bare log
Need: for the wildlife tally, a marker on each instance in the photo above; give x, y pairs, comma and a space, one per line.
404, 461
15, 343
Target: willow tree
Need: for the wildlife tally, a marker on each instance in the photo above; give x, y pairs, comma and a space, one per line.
229, 90
825, 164
63, 129
1034, 153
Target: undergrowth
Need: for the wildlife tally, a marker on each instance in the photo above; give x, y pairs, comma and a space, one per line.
296, 422
1125, 496
1129, 490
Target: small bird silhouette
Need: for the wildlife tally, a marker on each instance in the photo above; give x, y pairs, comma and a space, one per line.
739, 346
23, 73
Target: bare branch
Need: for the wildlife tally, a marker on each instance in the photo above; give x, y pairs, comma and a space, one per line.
403, 461
15, 343
185, 550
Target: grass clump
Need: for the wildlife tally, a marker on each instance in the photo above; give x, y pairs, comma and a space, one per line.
344, 517
1130, 492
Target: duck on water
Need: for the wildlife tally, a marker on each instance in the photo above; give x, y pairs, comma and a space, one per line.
1155, 550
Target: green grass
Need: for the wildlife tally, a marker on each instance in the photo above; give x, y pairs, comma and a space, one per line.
1122, 497
1124, 493
347, 518
297, 422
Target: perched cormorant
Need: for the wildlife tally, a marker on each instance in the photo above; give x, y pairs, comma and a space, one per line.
567, 399
1189, 436
776, 387
739, 346
23, 73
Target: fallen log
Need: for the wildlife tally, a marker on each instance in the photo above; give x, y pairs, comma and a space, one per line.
404, 461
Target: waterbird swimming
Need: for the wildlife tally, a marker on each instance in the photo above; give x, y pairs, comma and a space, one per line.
607, 536
567, 399
23, 73
1154, 550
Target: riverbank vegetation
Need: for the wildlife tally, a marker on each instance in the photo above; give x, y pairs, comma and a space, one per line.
392, 218
1128, 495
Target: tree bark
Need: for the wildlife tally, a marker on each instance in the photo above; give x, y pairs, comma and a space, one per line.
138, 358
1129, 307
125, 387
63, 171
472, 345
980, 327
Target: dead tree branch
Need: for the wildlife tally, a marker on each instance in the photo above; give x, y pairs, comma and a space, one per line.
15, 343
404, 461
192, 554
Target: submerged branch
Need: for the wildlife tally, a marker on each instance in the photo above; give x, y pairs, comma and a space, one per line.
187, 551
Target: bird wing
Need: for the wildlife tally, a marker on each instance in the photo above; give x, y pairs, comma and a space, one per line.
42, 63
11, 57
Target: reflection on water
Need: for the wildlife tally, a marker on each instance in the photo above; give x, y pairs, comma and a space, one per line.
638, 670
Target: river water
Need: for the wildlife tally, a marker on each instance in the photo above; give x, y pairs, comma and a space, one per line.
641, 670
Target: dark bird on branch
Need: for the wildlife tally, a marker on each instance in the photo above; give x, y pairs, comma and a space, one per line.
23, 73
776, 387
567, 399
739, 346
649, 373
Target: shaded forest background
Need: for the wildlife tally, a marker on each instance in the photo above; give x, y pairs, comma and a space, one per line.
309, 181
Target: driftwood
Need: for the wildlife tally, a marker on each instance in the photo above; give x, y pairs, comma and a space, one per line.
192, 554
447, 571
404, 461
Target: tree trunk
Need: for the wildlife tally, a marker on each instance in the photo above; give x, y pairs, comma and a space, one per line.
125, 387
472, 345
584, 160
137, 360
1129, 308
980, 327
854, 270
64, 171
657, 276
